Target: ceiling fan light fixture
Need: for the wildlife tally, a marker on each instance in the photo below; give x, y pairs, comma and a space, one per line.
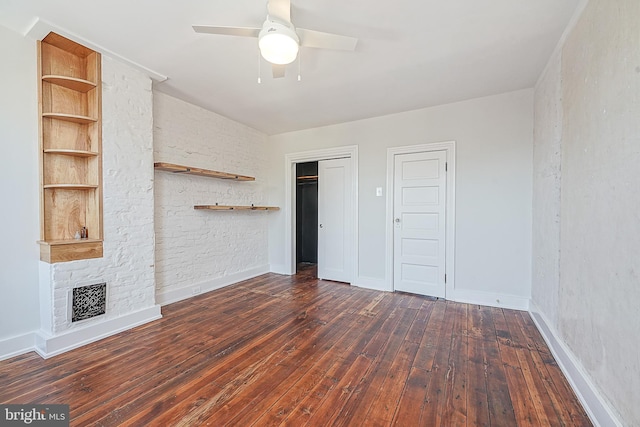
278, 43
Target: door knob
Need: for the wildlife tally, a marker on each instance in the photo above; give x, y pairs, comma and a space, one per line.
397, 220
320, 225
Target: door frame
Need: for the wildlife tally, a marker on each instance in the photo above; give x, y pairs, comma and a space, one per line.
450, 148
290, 161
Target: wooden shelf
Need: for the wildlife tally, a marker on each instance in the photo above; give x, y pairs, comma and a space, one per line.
70, 118
67, 242
79, 85
70, 186
169, 167
69, 250
236, 208
69, 152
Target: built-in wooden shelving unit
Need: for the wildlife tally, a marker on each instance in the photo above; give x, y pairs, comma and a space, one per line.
188, 170
70, 112
236, 208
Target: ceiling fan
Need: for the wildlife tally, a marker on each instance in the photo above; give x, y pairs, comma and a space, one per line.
278, 39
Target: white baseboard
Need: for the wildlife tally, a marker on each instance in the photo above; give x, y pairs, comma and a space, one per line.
594, 404
16, 346
372, 283
48, 346
175, 295
279, 269
489, 298
465, 296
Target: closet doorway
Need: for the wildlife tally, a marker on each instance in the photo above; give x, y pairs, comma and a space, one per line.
336, 257
306, 215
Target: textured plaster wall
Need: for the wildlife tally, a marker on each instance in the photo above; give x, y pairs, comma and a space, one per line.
196, 246
599, 280
128, 263
547, 180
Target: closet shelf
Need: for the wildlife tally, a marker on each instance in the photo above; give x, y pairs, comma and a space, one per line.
188, 170
79, 85
236, 208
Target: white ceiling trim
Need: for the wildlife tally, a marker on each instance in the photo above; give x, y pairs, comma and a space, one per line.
40, 28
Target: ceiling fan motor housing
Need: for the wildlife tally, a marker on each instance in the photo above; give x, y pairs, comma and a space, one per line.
278, 42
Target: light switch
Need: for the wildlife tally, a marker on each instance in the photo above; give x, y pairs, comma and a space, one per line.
378, 191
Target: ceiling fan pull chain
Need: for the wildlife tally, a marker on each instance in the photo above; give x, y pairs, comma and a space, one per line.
259, 73
299, 60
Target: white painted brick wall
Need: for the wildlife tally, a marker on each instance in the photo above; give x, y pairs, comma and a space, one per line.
194, 247
128, 263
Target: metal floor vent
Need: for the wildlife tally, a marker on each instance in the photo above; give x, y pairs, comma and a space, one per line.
89, 301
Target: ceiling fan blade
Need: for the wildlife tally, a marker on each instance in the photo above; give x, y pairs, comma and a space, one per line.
278, 70
318, 39
227, 31
280, 9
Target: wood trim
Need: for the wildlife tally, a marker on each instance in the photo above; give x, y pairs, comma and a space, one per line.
97, 103
40, 142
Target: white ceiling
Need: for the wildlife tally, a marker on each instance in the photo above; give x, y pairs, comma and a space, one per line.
411, 54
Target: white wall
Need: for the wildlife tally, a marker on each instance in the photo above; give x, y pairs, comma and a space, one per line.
19, 224
595, 315
493, 186
34, 303
201, 250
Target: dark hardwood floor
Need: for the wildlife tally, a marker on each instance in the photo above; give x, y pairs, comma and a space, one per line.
297, 351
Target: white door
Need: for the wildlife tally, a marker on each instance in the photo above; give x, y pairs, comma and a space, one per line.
419, 204
334, 212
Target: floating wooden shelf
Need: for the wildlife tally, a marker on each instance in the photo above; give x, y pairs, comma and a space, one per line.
69, 152
236, 208
169, 167
70, 186
70, 118
69, 250
79, 85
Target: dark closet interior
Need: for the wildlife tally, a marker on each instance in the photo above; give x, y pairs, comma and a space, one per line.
307, 212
